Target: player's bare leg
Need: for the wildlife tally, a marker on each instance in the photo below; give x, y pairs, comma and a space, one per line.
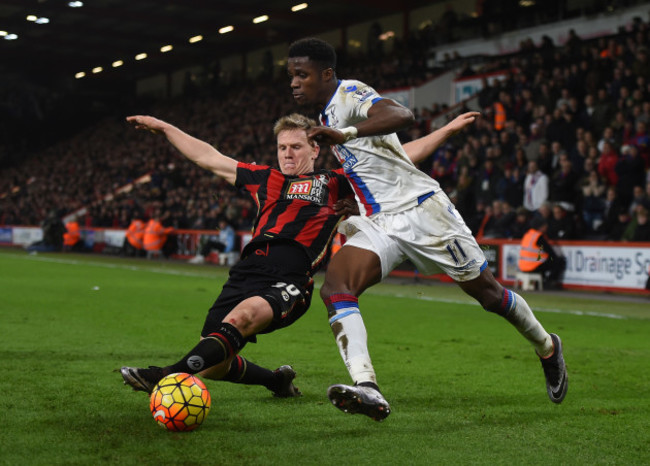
495, 298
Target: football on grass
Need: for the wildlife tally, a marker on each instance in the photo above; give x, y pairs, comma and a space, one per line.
180, 402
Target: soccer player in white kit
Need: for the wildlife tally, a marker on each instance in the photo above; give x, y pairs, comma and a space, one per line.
404, 215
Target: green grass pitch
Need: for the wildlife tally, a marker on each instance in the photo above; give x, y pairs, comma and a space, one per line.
464, 387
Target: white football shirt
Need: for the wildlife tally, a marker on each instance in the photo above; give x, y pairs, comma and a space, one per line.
383, 177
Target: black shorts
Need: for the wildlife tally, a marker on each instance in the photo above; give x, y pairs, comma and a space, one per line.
279, 273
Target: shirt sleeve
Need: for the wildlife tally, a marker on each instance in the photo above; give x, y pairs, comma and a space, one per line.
249, 174
359, 98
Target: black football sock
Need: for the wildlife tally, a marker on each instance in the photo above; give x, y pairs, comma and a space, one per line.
245, 372
212, 350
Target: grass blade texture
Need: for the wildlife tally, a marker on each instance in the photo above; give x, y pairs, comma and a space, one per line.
464, 387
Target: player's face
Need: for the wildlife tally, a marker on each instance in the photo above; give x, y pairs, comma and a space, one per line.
308, 81
296, 155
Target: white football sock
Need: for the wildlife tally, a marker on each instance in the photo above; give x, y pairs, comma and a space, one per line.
521, 316
352, 340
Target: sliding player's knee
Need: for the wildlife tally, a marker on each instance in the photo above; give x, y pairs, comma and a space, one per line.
251, 316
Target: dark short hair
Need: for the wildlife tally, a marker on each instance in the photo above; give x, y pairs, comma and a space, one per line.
315, 50
538, 222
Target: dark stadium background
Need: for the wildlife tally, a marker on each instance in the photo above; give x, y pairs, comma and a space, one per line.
64, 145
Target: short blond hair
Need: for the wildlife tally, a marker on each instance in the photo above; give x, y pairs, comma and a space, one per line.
293, 121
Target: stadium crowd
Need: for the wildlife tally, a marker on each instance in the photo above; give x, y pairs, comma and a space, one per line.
564, 136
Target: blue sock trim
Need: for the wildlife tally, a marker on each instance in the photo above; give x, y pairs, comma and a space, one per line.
344, 314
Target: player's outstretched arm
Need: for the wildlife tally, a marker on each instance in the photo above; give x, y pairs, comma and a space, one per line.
384, 117
423, 147
199, 152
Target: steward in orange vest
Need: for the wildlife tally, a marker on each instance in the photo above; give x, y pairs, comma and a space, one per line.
72, 236
133, 241
532, 254
155, 235
499, 116
537, 255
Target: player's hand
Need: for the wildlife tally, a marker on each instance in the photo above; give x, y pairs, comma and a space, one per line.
462, 121
346, 207
325, 135
147, 122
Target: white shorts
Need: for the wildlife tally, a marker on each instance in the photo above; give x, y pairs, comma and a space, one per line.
432, 235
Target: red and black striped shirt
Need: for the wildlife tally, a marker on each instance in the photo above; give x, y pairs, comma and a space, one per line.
295, 207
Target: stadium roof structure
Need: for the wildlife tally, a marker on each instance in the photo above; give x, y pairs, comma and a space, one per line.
53, 40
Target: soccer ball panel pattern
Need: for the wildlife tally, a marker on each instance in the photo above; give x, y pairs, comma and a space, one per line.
180, 402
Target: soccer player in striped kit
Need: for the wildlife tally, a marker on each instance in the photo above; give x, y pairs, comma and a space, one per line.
404, 215
299, 209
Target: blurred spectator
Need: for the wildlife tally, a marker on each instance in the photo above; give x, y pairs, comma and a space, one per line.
224, 243
520, 163
564, 184
444, 167
487, 180
510, 187
641, 65
561, 225
497, 223
630, 172
639, 196
593, 202
544, 159
608, 136
535, 187
559, 128
521, 223
573, 45
603, 112
639, 227
53, 230
482, 213
640, 140
465, 194
607, 164
618, 227
614, 215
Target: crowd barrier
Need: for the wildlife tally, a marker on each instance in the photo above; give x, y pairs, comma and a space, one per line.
591, 265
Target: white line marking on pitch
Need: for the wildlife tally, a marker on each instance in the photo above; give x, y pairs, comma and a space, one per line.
207, 275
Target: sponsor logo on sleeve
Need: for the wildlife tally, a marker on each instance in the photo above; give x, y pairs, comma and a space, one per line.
364, 94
